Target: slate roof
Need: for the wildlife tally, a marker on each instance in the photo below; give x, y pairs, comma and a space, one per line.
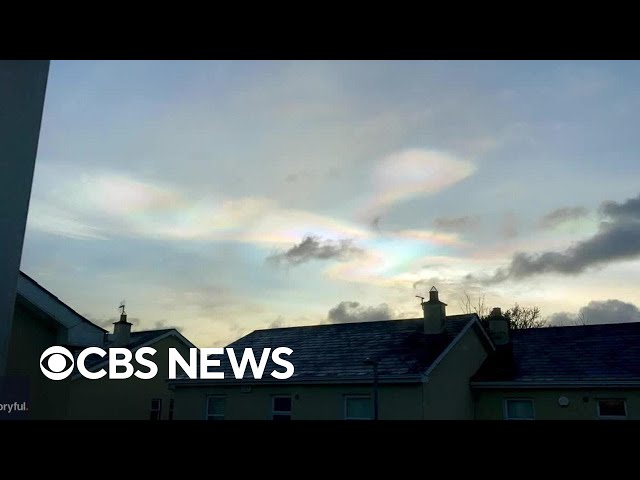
337, 352
590, 353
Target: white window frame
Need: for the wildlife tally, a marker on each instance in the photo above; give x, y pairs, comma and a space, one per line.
281, 412
506, 408
346, 410
612, 417
206, 407
159, 409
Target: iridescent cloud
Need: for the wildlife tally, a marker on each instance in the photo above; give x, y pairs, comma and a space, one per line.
413, 172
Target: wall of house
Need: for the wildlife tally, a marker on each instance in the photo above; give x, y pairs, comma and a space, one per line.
583, 403
309, 402
447, 394
32, 334
128, 399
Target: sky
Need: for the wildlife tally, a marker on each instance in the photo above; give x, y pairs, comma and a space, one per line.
220, 197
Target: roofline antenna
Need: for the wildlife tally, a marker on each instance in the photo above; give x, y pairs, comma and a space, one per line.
421, 299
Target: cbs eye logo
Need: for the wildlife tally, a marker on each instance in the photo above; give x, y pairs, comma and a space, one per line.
56, 363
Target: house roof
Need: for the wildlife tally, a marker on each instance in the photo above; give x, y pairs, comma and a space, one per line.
607, 354
41, 298
138, 339
336, 352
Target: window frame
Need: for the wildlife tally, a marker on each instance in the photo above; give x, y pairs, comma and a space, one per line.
207, 415
157, 411
275, 412
356, 396
516, 399
612, 417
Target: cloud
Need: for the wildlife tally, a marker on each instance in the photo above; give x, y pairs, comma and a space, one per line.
107, 323
561, 216
455, 224
103, 204
348, 312
598, 312
618, 238
314, 248
414, 172
277, 323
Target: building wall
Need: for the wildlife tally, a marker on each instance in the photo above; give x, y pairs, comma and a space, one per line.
31, 335
309, 402
128, 399
490, 403
447, 394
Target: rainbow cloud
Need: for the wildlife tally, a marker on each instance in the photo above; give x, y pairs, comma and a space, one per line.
410, 173
103, 204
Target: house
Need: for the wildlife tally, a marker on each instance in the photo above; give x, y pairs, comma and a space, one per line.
41, 320
435, 367
421, 369
562, 373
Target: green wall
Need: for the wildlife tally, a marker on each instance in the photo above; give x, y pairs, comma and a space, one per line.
490, 403
128, 399
32, 334
309, 402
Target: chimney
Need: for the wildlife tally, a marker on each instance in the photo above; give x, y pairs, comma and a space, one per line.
498, 327
121, 331
434, 313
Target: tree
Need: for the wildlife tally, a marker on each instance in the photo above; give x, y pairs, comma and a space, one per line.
469, 305
524, 317
519, 317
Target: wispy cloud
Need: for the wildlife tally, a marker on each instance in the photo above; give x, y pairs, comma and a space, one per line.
455, 224
561, 216
414, 172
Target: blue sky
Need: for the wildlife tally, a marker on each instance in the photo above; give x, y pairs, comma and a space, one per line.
221, 197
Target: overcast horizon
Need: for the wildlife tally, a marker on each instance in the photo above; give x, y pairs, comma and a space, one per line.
220, 197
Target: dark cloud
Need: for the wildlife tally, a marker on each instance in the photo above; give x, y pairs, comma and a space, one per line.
629, 210
107, 323
347, 312
164, 324
618, 238
455, 224
313, 248
597, 312
277, 323
562, 215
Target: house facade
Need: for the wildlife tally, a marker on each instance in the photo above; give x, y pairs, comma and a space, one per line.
41, 320
435, 367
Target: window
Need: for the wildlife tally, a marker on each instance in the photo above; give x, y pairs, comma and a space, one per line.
215, 408
281, 408
358, 407
612, 408
519, 409
171, 409
156, 409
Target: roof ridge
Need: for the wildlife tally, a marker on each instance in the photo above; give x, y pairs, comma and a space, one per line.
555, 327
355, 323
